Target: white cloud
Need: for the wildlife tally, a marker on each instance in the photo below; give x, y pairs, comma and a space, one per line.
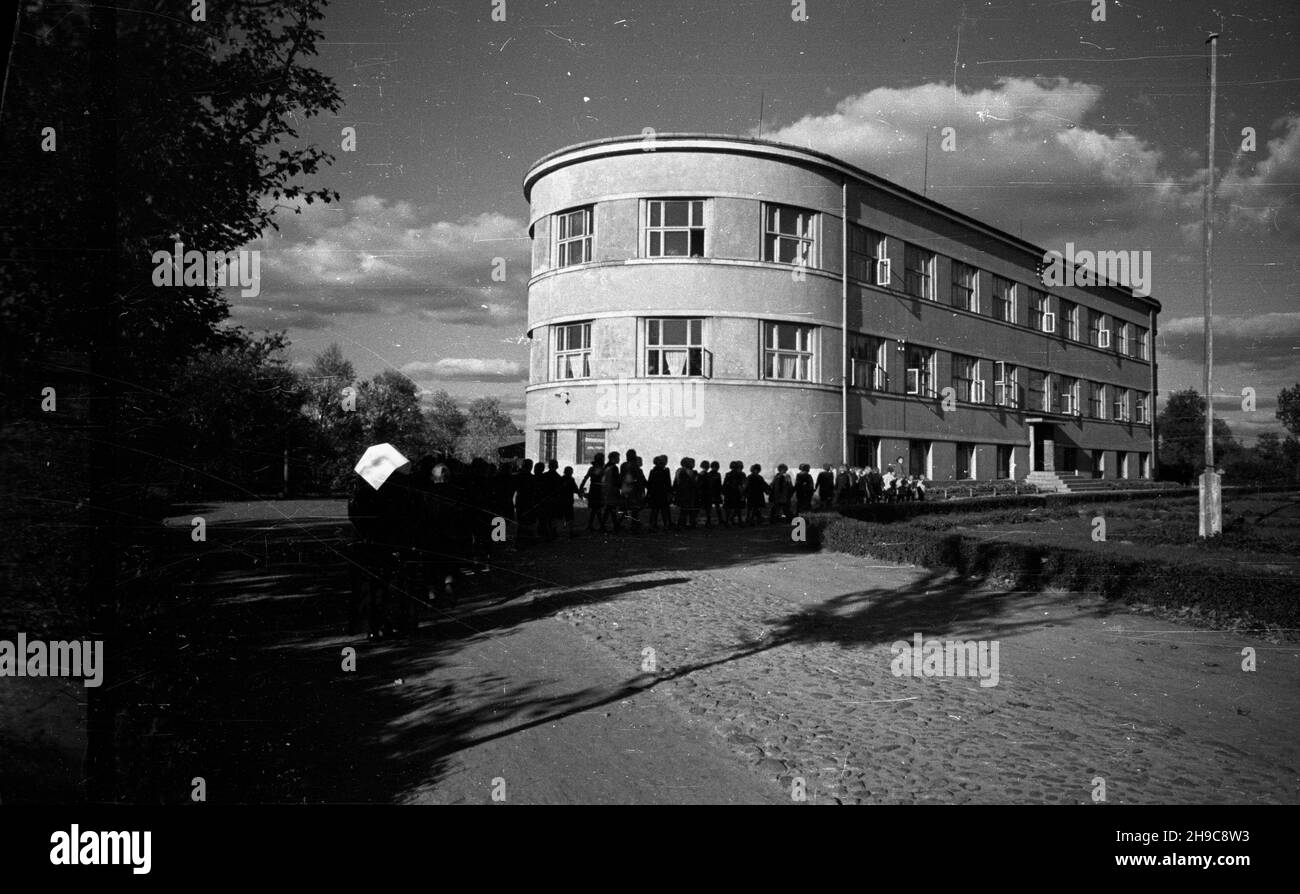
1023, 135
374, 256
1250, 340
1258, 189
473, 369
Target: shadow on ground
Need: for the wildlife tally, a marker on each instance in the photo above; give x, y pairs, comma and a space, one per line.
241, 680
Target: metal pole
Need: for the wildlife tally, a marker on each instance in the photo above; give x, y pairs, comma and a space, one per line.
1154, 466
844, 321
1211, 491
1208, 275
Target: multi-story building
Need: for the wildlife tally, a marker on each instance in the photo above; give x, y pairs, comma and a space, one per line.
731, 298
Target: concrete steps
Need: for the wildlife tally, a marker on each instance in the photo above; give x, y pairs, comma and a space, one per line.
1065, 482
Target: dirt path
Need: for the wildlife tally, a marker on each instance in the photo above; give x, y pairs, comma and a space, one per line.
710, 666
795, 672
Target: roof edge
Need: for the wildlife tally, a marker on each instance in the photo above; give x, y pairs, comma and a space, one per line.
623, 144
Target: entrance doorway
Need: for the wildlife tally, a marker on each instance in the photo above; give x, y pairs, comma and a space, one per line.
918, 459
1042, 447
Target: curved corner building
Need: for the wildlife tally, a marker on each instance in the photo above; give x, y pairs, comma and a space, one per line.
692, 295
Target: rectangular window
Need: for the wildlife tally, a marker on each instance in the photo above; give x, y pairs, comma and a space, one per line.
1123, 464
1004, 300
675, 347
1098, 335
1097, 401
1039, 391
866, 451
549, 441
572, 351
1004, 461
590, 442
1124, 346
790, 235
1143, 340
866, 247
573, 234
920, 371
965, 287
788, 351
1144, 465
965, 462
1070, 319
674, 228
1142, 407
918, 272
867, 363
1055, 393
968, 379
1006, 385
1038, 310
1121, 405
1069, 395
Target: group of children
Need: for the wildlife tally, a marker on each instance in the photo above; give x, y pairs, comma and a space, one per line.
426, 521
616, 492
855, 486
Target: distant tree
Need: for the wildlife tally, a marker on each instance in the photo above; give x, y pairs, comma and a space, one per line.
389, 408
445, 423
486, 426
328, 378
239, 410
333, 395
1269, 447
1181, 427
1291, 457
1288, 408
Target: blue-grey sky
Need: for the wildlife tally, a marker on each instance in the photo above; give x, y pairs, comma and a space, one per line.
1067, 129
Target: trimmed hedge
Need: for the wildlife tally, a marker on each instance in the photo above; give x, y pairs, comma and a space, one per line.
897, 512
1220, 593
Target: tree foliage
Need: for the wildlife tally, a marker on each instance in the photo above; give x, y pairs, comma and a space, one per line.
487, 425
1288, 408
446, 424
1181, 432
240, 411
171, 130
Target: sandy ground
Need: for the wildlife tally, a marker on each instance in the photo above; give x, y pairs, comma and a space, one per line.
708, 666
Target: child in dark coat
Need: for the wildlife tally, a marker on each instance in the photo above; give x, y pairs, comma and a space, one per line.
755, 491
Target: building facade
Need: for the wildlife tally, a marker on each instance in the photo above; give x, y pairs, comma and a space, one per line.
729, 298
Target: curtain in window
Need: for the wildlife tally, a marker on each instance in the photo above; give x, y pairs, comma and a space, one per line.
675, 361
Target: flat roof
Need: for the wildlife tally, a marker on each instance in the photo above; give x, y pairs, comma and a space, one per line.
702, 142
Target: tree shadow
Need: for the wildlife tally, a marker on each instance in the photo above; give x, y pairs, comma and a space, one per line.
243, 681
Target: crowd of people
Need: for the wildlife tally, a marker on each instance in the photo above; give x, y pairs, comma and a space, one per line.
419, 528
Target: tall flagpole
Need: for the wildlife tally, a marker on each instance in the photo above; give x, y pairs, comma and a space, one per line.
1211, 515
